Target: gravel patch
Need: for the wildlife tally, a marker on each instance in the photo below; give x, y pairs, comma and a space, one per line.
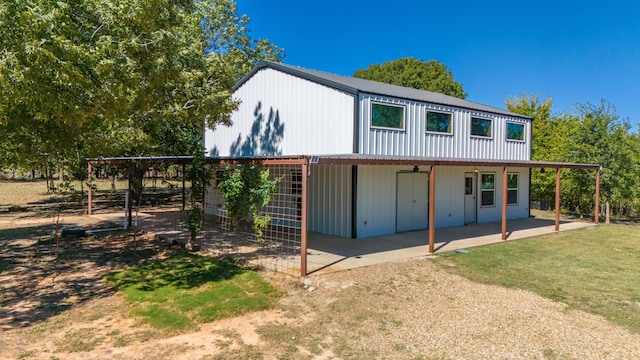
416, 309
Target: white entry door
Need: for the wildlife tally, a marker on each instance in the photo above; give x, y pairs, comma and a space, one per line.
470, 202
412, 202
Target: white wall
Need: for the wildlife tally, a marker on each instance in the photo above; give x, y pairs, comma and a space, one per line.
376, 197
376, 200
281, 114
415, 141
330, 200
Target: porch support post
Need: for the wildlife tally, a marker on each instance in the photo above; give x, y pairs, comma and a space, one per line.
557, 227
184, 196
504, 202
597, 217
303, 220
432, 208
89, 191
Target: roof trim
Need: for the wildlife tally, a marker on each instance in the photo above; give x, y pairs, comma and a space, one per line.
348, 159
355, 86
360, 159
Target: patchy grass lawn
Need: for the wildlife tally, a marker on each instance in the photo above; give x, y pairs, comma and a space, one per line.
596, 270
177, 293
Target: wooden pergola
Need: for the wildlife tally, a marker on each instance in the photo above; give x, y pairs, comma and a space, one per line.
305, 161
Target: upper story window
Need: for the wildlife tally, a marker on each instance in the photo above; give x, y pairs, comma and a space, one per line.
515, 131
387, 116
439, 122
481, 127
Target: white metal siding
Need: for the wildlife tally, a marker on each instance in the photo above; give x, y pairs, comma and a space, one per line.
281, 114
376, 197
376, 200
449, 196
330, 200
415, 141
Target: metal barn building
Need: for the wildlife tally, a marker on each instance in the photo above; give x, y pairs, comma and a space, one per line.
370, 151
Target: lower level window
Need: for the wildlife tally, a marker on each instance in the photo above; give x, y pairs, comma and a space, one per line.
488, 189
512, 189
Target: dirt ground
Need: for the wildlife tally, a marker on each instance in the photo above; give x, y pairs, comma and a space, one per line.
54, 304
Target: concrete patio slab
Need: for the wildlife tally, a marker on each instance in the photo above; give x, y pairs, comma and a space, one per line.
329, 253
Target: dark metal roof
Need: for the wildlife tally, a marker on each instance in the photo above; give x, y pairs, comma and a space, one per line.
354, 86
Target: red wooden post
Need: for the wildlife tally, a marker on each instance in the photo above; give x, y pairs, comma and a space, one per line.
597, 217
557, 228
432, 208
504, 202
89, 191
303, 221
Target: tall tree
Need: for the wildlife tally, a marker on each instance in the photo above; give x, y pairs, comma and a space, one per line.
418, 74
593, 134
84, 78
544, 146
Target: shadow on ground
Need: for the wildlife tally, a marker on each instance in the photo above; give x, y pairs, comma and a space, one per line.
39, 279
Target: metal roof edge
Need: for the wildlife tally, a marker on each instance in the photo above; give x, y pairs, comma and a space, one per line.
307, 74
298, 72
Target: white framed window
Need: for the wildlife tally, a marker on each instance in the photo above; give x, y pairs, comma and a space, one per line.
439, 122
512, 189
387, 116
488, 189
481, 127
515, 131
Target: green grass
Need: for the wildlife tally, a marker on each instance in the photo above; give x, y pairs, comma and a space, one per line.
176, 294
596, 270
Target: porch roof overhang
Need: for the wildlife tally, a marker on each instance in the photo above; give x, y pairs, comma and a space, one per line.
359, 159
348, 159
141, 159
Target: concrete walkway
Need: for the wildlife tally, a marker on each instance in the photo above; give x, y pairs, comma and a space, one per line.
329, 253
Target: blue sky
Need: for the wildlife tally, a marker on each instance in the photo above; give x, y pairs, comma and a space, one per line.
571, 51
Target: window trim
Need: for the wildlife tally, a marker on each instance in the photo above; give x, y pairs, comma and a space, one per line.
517, 189
404, 116
480, 136
426, 122
492, 190
506, 131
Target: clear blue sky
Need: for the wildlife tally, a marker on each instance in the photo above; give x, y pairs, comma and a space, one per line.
571, 51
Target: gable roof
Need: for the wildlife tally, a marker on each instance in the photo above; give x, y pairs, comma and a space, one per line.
354, 86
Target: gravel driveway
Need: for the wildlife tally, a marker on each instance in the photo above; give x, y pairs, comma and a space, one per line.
417, 310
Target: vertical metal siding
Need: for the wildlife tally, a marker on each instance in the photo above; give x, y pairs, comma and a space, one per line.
330, 199
314, 119
449, 196
376, 200
415, 141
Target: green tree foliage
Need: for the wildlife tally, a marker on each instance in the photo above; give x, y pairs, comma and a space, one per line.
593, 134
418, 74
246, 190
117, 77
